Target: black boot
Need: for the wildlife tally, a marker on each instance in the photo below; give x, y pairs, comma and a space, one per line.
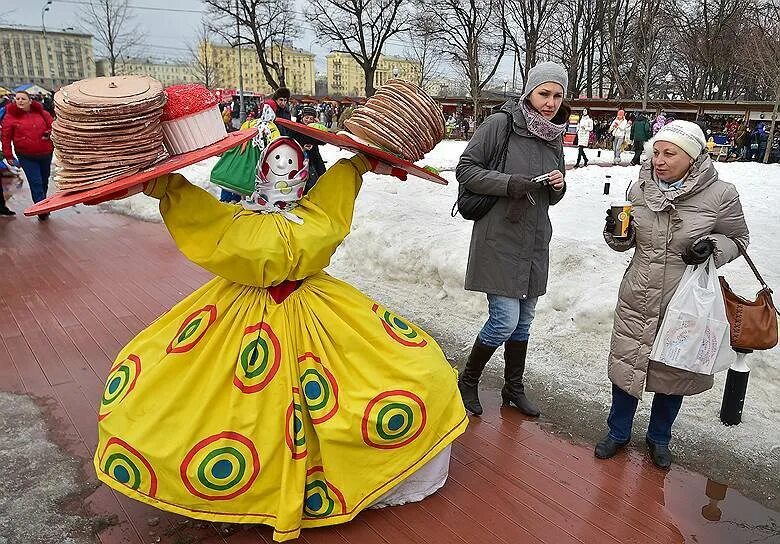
661, 456
514, 391
469, 379
607, 448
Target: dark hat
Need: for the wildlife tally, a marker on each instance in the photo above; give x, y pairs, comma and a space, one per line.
308, 110
281, 92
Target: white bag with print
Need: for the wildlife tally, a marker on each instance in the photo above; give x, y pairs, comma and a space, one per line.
694, 333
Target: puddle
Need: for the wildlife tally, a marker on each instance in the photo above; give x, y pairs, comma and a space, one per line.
709, 512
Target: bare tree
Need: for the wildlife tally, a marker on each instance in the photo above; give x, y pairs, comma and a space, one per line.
424, 49
526, 24
361, 28
762, 65
111, 23
205, 66
474, 39
268, 26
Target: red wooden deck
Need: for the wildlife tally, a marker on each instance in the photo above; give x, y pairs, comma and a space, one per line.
79, 286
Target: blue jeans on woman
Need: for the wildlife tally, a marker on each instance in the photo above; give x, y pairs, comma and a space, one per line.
37, 169
662, 415
509, 319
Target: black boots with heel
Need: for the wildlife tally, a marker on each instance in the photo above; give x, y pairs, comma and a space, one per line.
514, 391
469, 379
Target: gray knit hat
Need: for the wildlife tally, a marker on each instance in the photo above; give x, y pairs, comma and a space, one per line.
546, 72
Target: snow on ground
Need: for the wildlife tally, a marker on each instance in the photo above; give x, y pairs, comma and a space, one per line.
408, 252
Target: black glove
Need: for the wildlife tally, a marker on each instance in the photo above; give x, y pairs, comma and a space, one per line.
698, 253
519, 186
610, 221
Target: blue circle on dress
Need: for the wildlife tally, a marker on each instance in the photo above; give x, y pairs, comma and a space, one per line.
396, 422
222, 469
114, 384
121, 474
313, 390
314, 502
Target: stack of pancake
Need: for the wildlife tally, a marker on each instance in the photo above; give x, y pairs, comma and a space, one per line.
400, 118
105, 128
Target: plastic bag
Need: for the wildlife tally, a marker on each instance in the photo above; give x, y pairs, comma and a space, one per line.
695, 333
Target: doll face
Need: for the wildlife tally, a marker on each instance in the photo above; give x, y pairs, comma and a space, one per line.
282, 163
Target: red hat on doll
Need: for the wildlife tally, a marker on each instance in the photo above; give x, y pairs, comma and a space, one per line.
268, 157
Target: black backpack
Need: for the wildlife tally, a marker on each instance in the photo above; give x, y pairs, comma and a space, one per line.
474, 206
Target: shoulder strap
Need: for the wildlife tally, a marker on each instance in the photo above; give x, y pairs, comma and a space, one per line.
505, 145
743, 252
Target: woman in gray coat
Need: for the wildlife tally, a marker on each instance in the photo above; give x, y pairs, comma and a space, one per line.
509, 252
681, 214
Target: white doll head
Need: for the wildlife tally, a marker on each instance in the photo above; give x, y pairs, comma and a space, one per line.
281, 176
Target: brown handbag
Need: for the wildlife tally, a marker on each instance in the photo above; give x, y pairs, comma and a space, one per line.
753, 323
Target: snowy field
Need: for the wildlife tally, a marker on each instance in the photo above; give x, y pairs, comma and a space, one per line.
408, 252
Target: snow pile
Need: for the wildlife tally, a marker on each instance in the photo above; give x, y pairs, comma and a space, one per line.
408, 252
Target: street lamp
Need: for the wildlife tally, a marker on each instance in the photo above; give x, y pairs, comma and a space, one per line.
505, 84
395, 71
669, 78
44, 9
241, 110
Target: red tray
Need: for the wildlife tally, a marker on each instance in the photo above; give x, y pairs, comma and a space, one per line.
349, 144
121, 186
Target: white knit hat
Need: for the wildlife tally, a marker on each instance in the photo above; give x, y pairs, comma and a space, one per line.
685, 135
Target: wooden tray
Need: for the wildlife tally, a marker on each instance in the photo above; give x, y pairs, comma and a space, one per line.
349, 144
122, 186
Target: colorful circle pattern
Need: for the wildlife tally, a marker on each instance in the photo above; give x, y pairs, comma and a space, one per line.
121, 462
393, 419
321, 498
319, 388
193, 329
258, 359
295, 433
398, 329
121, 381
220, 467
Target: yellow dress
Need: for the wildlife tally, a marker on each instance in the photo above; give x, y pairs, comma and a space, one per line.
241, 405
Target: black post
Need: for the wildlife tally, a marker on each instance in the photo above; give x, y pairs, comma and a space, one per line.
606, 184
735, 391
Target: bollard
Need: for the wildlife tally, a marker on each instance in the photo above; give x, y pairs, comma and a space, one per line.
606, 184
599, 153
735, 391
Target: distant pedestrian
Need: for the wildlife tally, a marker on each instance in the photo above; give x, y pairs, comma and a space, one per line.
26, 129
618, 129
640, 133
584, 129
660, 122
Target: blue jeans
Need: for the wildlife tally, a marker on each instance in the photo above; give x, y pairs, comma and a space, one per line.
37, 169
229, 196
662, 415
509, 319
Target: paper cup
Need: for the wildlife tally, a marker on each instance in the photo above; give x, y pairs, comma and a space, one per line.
621, 213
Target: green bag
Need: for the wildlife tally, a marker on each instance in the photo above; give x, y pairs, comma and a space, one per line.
236, 169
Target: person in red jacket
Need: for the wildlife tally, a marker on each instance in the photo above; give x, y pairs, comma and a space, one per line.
27, 126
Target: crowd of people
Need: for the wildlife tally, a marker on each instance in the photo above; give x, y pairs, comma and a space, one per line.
630, 131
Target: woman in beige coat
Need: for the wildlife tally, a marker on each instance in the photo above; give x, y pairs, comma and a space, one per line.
681, 214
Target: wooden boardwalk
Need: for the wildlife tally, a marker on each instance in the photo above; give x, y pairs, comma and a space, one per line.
75, 289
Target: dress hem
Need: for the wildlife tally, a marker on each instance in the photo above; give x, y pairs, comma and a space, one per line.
281, 535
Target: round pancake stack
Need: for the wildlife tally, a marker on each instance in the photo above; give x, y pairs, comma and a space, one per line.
107, 127
400, 118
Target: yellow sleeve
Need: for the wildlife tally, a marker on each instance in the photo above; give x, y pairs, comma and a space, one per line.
260, 249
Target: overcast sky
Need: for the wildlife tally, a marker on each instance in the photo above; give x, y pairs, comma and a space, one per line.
170, 27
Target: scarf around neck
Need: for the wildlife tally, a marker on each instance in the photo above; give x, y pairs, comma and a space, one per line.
539, 126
